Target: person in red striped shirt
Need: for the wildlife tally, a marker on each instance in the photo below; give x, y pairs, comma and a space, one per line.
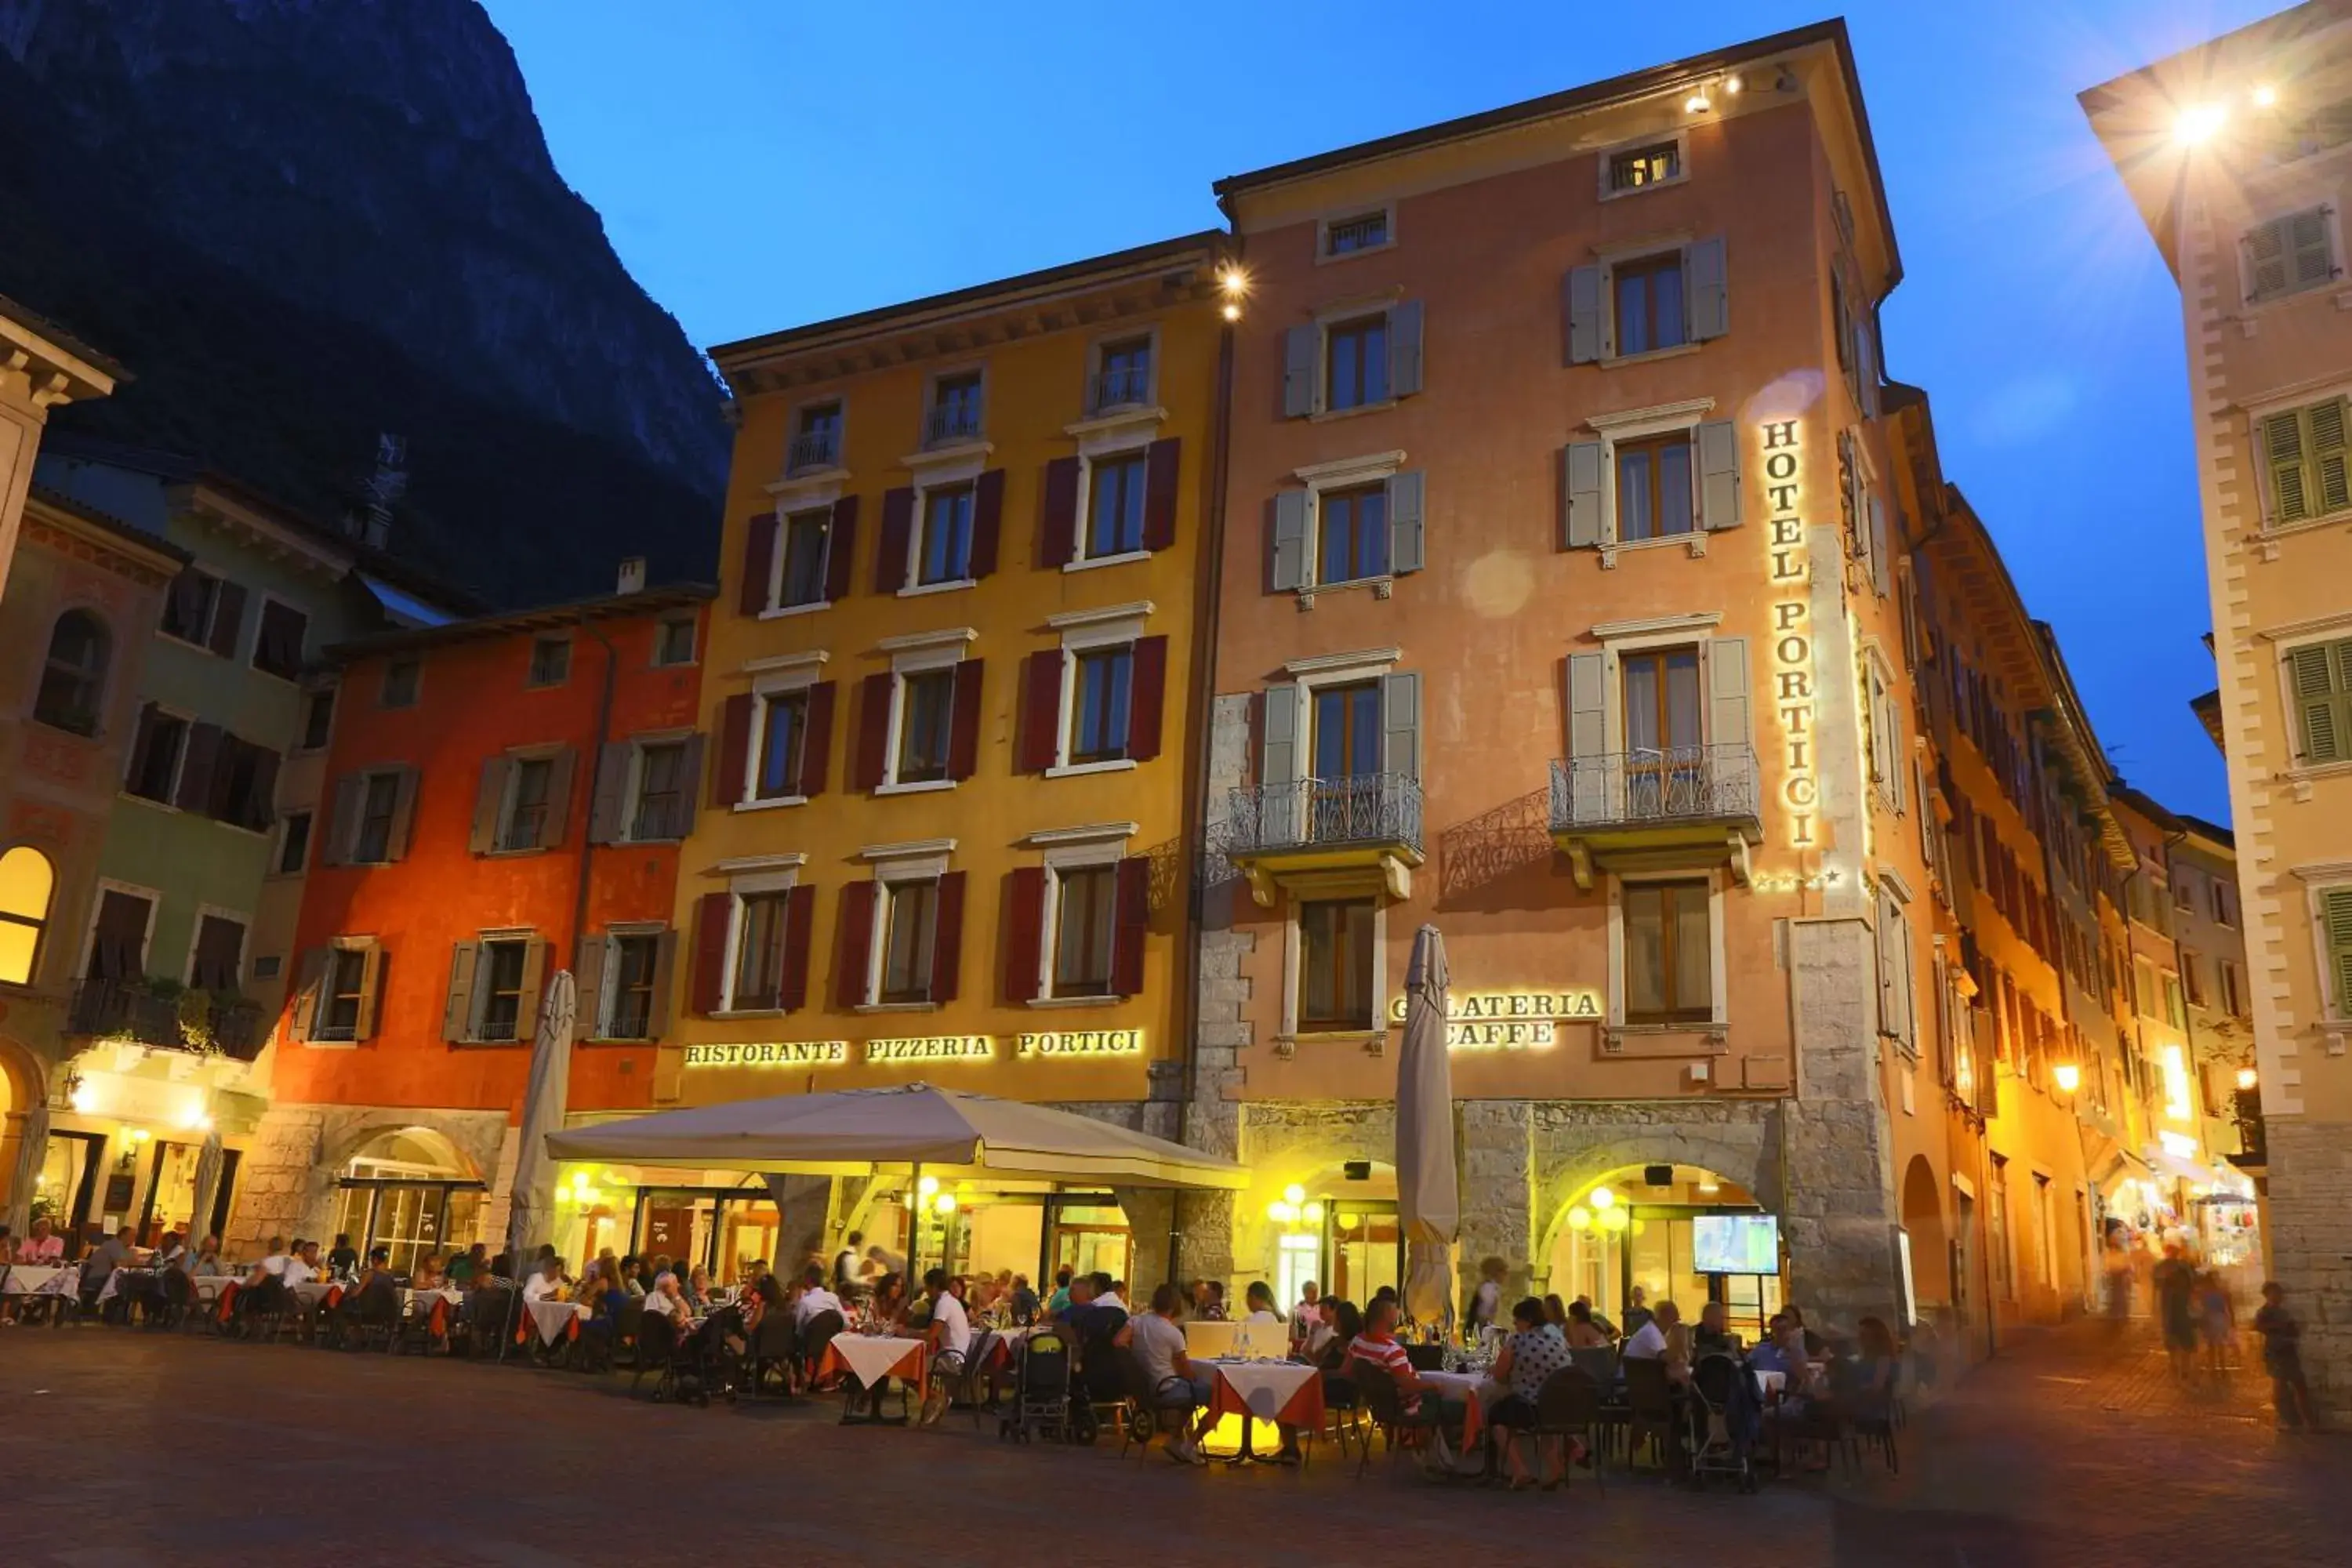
1378, 1349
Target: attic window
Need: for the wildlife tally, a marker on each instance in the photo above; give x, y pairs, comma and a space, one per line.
1638, 166
1365, 231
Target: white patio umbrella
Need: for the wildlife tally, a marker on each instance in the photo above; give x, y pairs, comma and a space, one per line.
530, 1205
30, 1156
208, 1176
1429, 1196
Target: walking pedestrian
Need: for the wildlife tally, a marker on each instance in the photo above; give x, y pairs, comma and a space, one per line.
2118, 1268
2176, 1284
2283, 1359
2217, 1321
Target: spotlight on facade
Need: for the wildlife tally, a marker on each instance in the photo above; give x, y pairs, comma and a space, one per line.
2248, 1078
1697, 102
2197, 123
2068, 1076
2265, 97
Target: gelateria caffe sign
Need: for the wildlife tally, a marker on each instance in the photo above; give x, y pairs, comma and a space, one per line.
914, 1051
1507, 1020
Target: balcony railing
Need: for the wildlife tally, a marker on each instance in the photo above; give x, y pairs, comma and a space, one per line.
1368, 810
1122, 388
131, 1010
813, 450
951, 422
1655, 788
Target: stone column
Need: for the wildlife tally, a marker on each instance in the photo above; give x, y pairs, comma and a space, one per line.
282, 1189
2311, 1249
1221, 1020
1838, 1198
1498, 1164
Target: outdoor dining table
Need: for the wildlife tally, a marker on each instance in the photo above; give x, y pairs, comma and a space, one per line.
1289, 1392
34, 1279
436, 1305
1474, 1389
554, 1319
114, 1281
1210, 1338
868, 1359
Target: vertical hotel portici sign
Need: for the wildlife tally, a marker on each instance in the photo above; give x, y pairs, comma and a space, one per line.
1792, 637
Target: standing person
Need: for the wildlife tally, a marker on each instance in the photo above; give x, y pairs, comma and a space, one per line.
1486, 1300
2283, 1359
1304, 1316
844, 1264
2116, 1263
1637, 1312
2217, 1321
342, 1258
2176, 1284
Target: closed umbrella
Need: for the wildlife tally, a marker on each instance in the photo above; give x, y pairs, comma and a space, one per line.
1429, 1197
31, 1154
531, 1201
208, 1176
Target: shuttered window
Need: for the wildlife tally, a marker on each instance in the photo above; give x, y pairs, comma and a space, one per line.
1084, 909
2319, 677
2304, 453
2290, 254
1357, 362
2335, 930
1335, 966
909, 927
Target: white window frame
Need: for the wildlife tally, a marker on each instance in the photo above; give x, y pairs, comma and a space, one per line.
2258, 462
1888, 753
1071, 849
1337, 313
1303, 892
196, 929
946, 469
1343, 474
147, 941
538, 640
931, 401
1696, 630
513, 787
332, 692
608, 987
924, 861
1323, 222
277, 843
264, 598
763, 874
2333, 217
1640, 424
1150, 407
170, 801
778, 676
1719, 966
1128, 435
478, 1004
2284, 643
638, 745
799, 499
1680, 138
325, 999
1084, 631
918, 653
1612, 256
1312, 675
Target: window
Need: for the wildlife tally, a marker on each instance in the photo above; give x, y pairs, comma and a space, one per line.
758, 951
2173, 1012
630, 1014
27, 882
2222, 914
401, 677
1649, 303
943, 553
1353, 534
217, 963
551, 661
1100, 704
1347, 734
188, 605
1356, 361
1335, 966
2288, 255
498, 989
674, 641
1085, 902
293, 843
155, 756
2319, 682
73, 680
784, 740
343, 994
379, 805
1114, 516
118, 938
1365, 231
277, 643
955, 409
910, 919
2045, 1231
927, 710
2234, 990
524, 825
816, 439
1638, 166
1654, 488
1898, 992
661, 798
1886, 737
2193, 976
1669, 954
318, 718
1662, 703
1124, 378
1997, 1228
2304, 450
806, 534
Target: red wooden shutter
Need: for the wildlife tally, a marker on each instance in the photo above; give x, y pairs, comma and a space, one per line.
856, 945
963, 723
800, 928
840, 549
1060, 522
1041, 710
734, 751
897, 540
987, 521
1160, 493
1147, 697
873, 731
759, 562
817, 749
1131, 922
711, 917
947, 937
1024, 931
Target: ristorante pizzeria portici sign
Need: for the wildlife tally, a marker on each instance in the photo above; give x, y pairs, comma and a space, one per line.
916, 1049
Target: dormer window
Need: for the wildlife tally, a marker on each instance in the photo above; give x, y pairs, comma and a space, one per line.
1124, 379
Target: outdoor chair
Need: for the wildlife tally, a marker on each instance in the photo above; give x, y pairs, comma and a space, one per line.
656, 1348
1598, 1362
179, 1300
816, 1335
1343, 1412
1384, 1408
774, 1347
368, 1318
1868, 1416
1148, 1406
1568, 1407
1650, 1410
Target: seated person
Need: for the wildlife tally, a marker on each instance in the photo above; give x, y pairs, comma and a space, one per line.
117, 1251
42, 1247
635, 1275
1262, 1329
426, 1276
697, 1290
816, 1295
886, 1306
1535, 1349
1156, 1338
1713, 1336
1583, 1333
950, 1340
1376, 1352
1599, 1320
342, 1258
546, 1282
1783, 1351
303, 1267
666, 1300
207, 1264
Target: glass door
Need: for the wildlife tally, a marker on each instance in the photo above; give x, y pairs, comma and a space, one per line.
1091, 1239
67, 1192
1366, 1244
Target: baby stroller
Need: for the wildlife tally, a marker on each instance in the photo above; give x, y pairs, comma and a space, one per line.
704, 1364
1723, 1422
1041, 1394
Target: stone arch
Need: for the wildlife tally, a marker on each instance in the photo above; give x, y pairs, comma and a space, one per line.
24, 1084
1579, 1150
354, 1140
1922, 1221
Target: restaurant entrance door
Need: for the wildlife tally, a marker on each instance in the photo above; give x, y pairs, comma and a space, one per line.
1624, 1232
1365, 1243
1091, 1236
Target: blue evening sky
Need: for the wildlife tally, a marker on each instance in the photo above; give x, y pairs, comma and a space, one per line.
759, 165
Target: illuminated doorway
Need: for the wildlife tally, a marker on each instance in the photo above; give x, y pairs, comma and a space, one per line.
1691, 1238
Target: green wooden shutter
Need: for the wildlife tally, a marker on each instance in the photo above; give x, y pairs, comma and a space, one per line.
1404, 498
1581, 505
2336, 925
2328, 480
1401, 723
2321, 676
1583, 299
1290, 541
2281, 438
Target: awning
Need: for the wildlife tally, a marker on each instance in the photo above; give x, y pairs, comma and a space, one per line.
874, 1130
2165, 1162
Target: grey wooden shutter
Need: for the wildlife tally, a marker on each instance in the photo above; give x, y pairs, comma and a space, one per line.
1587, 734
605, 811
371, 992
309, 982
589, 978
2310, 257
665, 976
1585, 315
1882, 564
534, 979
1404, 521
2266, 260
490, 798
1401, 723
343, 825
404, 814
1289, 540
1404, 348
1889, 919
1302, 353
1719, 474
457, 1013
690, 789
1865, 364
1582, 467
1279, 762
553, 821
1707, 289
1728, 692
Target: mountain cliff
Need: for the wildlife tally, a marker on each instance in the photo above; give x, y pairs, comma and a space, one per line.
300, 223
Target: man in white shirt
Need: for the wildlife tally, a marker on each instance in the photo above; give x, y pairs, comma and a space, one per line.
273, 1261
544, 1282
950, 1336
1107, 1294
664, 1301
301, 1269
1648, 1343
814, 1297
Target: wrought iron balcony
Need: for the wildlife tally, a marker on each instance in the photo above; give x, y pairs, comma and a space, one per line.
1369, 822
813, 450
1658, 804
957, 421
1123, 388
185, 1021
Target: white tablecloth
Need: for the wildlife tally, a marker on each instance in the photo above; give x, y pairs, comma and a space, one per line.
552, 1318
311, 1293
1771, 1382
1210, 1340
1265, 1386
117, 1281
36, 1280
872, 1357
209, 1286
423, 1299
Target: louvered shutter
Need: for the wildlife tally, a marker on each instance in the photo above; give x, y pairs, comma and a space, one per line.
759, 562
1162, 462
852, 976
557, 819
1404, 348
1302, 388
1279, 762
228, 619
1401, 724
142, 740
1727, 704
534, 982
404, 814
2330, 481
1404, 504
963, 721
1582, 467
1147, 699
1132, 925
840, 549
612, 788
2309, 256
371, 992
1289, 540
2321, 676
489, 798
1588, 735
1584, 308
1059, 519
457, 1009
2336, 917
872, 759
800, 933
897, 540
1025, 932
198, 758
2266, 260
734, 752
588, 970
1041, 710
947, 939
311, 982
816, 740
1882, 561
987, 523
1719, 474
711, 914
1705, 289
343, 823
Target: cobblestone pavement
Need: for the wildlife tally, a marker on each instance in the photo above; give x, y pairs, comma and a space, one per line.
122, 1448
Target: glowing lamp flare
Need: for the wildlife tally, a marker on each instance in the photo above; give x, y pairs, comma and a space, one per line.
1579, 1219
2247, 1077
2069, 1077
2197, 123
2266, 97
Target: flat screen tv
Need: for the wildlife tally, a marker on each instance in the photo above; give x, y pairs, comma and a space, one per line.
1736, 1244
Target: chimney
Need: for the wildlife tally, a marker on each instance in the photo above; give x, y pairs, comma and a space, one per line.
633, 574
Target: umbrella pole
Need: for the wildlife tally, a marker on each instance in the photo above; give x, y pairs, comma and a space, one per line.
914, 1206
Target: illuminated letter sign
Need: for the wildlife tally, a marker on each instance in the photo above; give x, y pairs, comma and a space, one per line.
1083, 1043
1507, 1020
779, 1054
931, 1049
1792, 636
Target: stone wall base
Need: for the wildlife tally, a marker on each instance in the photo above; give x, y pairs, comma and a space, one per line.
286, 1182
2310, 1215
